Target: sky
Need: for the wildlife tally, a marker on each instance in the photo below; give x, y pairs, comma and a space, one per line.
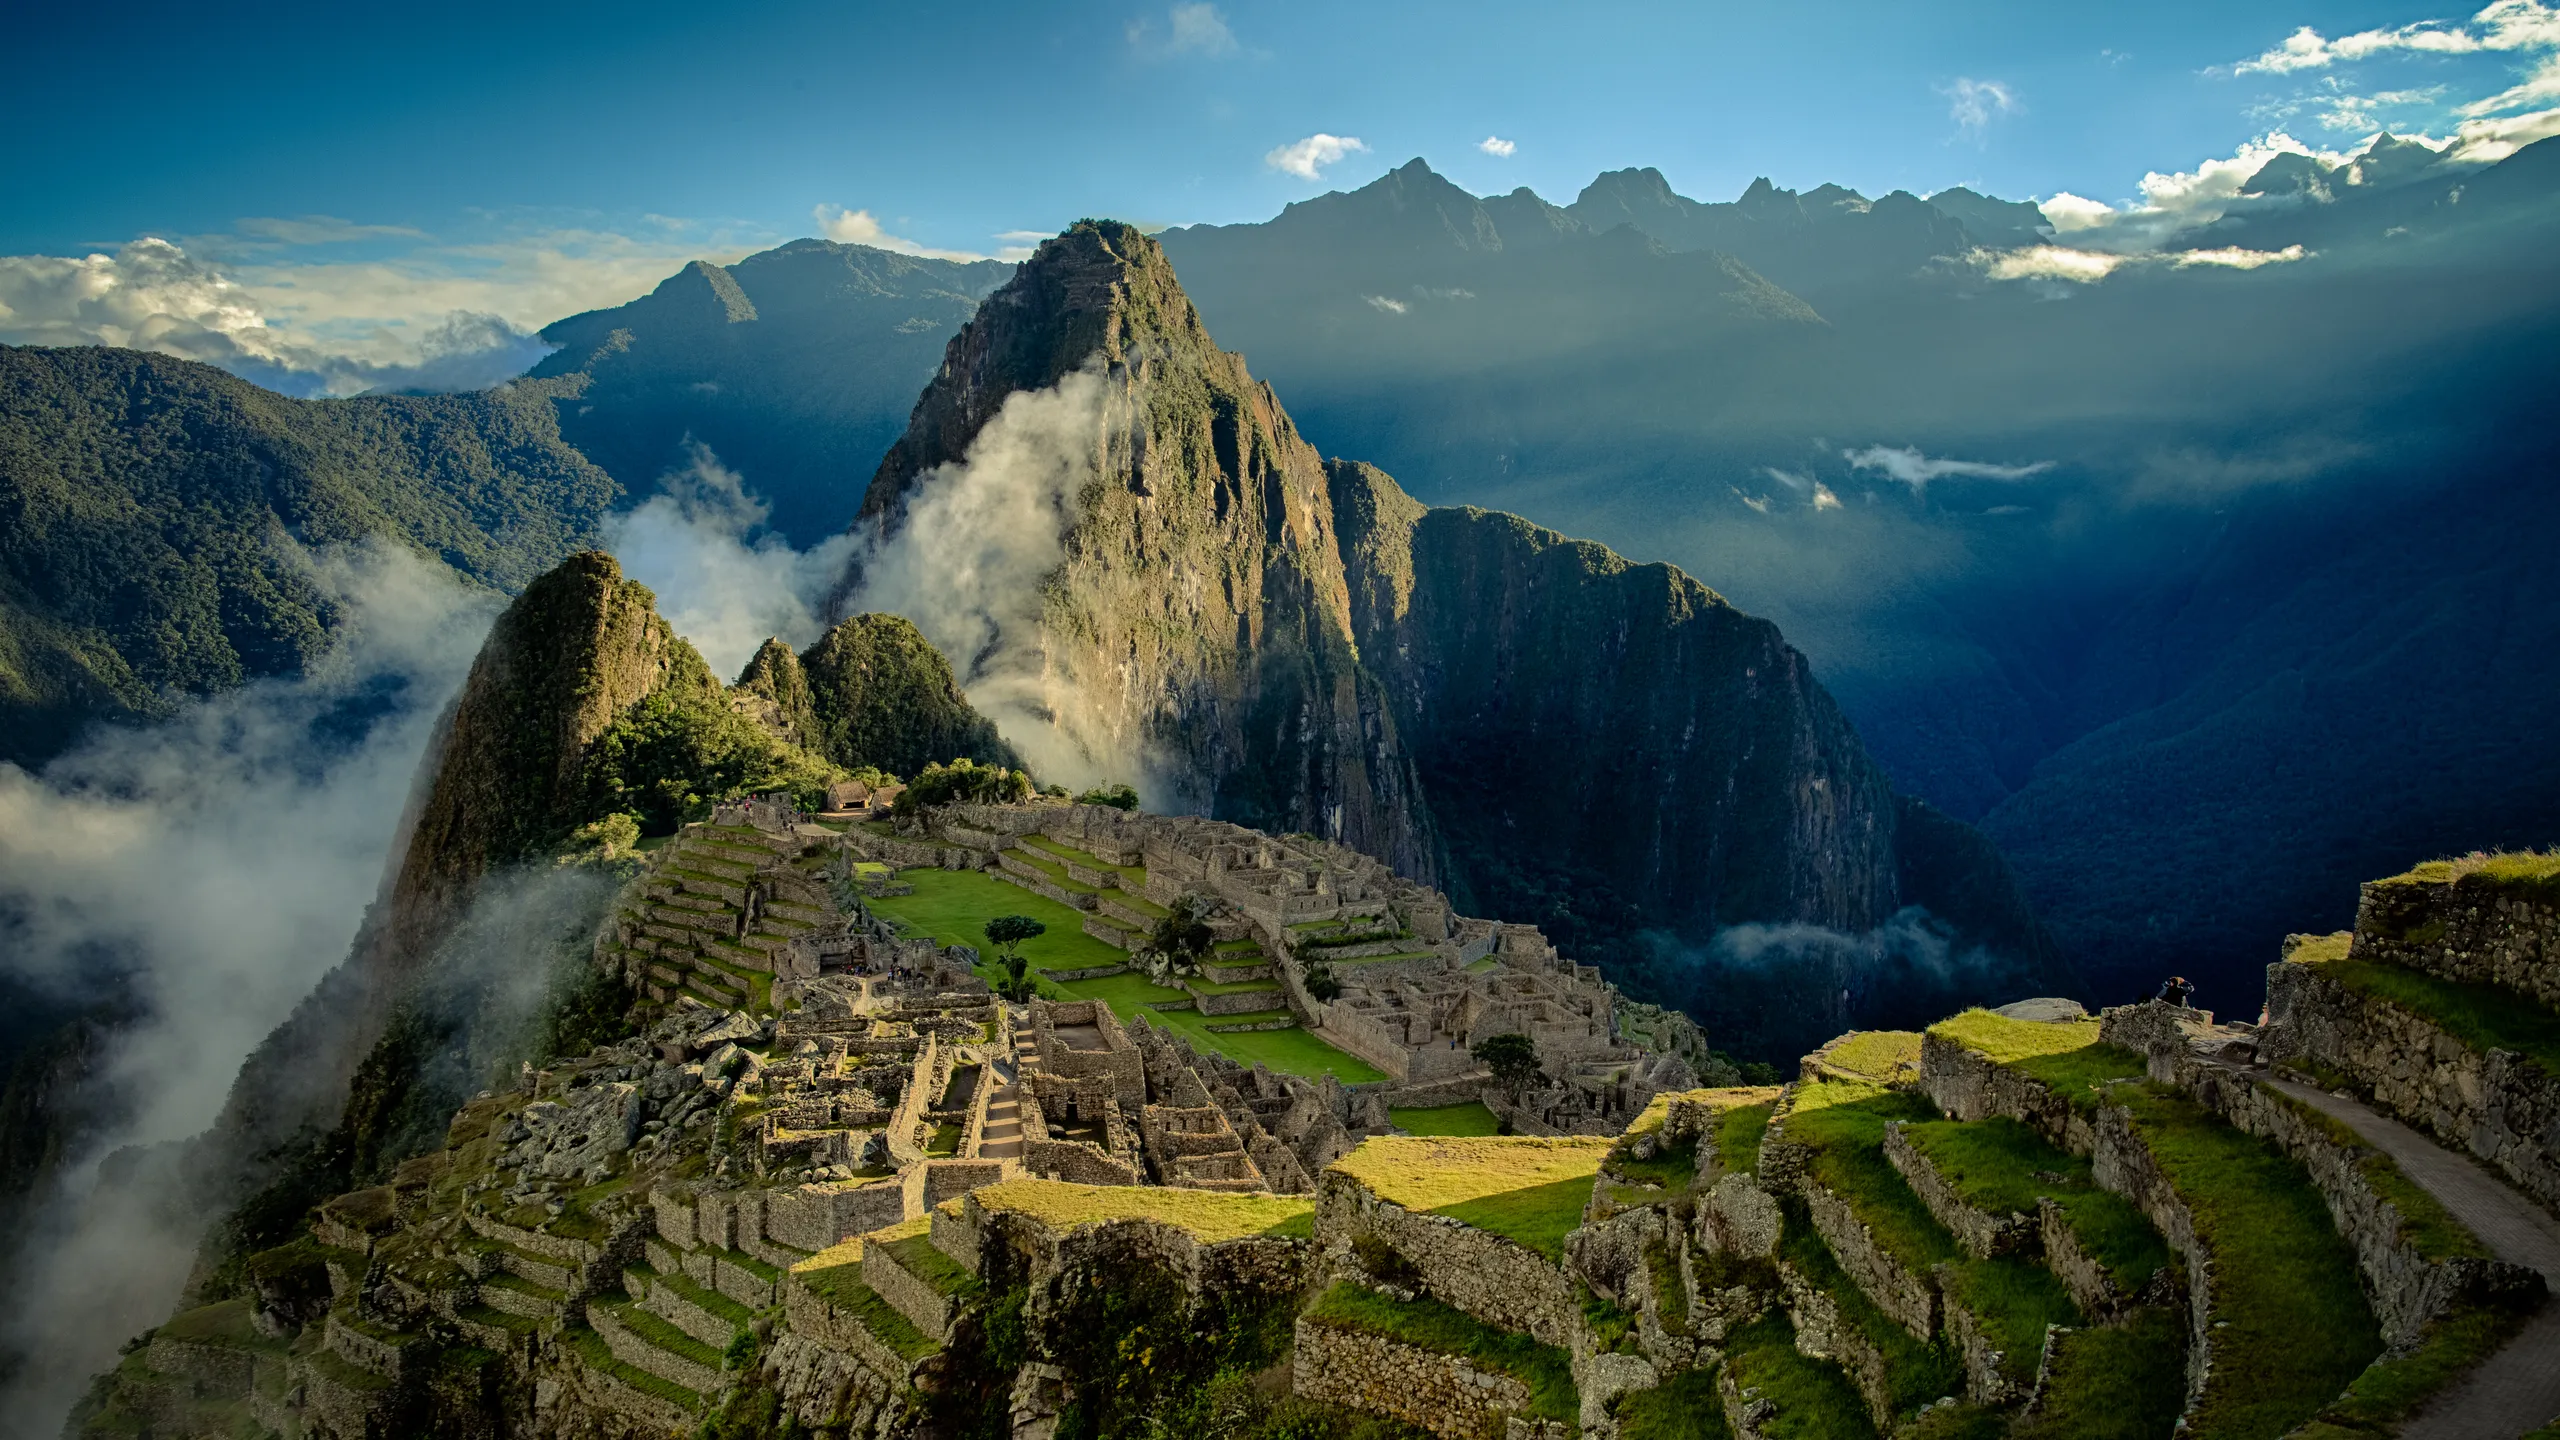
355, 196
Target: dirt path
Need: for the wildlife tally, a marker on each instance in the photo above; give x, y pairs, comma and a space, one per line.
2517, 1389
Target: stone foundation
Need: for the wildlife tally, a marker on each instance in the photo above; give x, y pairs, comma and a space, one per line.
1440, 1393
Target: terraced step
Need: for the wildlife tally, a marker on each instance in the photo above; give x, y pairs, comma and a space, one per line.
706, 1315
542, 1270
928, 1287
516, 1295
597, 1355
644, 1341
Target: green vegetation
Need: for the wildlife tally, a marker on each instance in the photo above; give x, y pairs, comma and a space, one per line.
2484, 1017
1684, 1407
596, 1355
1999, 1165
2126, 1381
2005, 1041
2531, 873
1884, 1056
1738, 1135
2424, 1222
951, 905
1427, 1324
2293, 1328
1842, 1122
1531, 1190
917, 1255
2394, 1387
1513, 1059
1812, 1399
842, 1287
1917, 1371
669, 757
1470, 1118
881, 695
962, 782
2015, 1300
1118, 797
1209, 1215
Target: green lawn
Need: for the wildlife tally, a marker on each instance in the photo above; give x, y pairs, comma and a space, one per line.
2293, 1327
1738, 1135
1470, 1118
1812, 1399
953, 906
1997, 1165
1538, 1217
2114, 1382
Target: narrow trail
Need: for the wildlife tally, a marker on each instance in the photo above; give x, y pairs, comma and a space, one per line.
2517, 1389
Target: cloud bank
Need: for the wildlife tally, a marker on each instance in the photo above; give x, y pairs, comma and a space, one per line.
858, 227
1908, 465
212, 868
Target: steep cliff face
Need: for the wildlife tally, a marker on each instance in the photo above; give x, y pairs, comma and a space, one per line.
1199, 620
1574, 715
878, 693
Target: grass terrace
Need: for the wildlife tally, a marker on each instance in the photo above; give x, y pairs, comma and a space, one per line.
2066, 1056
1842, 1122
2484, 1017
1209, 1215
1471, 1118
2532, 872
2016, 1299
1530, 1190
2292, 1326
1998, 1165
841, 1286
1133, 878
596, 1355
1684, 1407
1429, 1325
1813, 1399
1883, 1056
1917, 1371
1738, 1134
2114, 1382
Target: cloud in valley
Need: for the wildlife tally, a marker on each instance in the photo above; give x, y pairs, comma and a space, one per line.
722, 580
968, 559
212, 867
1307, 158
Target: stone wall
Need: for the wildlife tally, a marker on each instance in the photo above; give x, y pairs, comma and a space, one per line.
1968, 1085
2474, 930
2124, 1164
813, 1217
1822, 1333
1900, 1292
2407, 1289
1497, 1281
1982, 1234
1440, 1393
2500, 1106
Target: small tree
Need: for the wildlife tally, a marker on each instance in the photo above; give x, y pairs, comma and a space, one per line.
1513, 1059
1006, 933
1321, 982
1118, 797
1180, 939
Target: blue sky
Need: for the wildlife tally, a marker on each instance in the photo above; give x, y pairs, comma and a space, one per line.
341, 164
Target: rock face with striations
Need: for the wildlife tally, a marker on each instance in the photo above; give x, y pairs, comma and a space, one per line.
1546, 730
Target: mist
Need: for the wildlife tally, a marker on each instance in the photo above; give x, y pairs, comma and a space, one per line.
211, 869
968, 564
722, 580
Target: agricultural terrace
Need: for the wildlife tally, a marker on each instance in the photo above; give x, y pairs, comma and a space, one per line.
953, 907
1209, 1215
1527, 1189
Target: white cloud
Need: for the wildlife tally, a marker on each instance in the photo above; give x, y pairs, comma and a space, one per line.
1497, 147
2050, 262
1788, 478
1382, 303
2542, 87
2174, 201
968, 560
722, 581
1307, 158
1823, 499
319, 230
1197, 29
1756, 502
2233, 258
1974, 104
2487, 141
857, 227
2504, 25
1906, 464
152, 295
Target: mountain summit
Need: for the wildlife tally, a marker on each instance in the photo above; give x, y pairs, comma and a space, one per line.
1548, 731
